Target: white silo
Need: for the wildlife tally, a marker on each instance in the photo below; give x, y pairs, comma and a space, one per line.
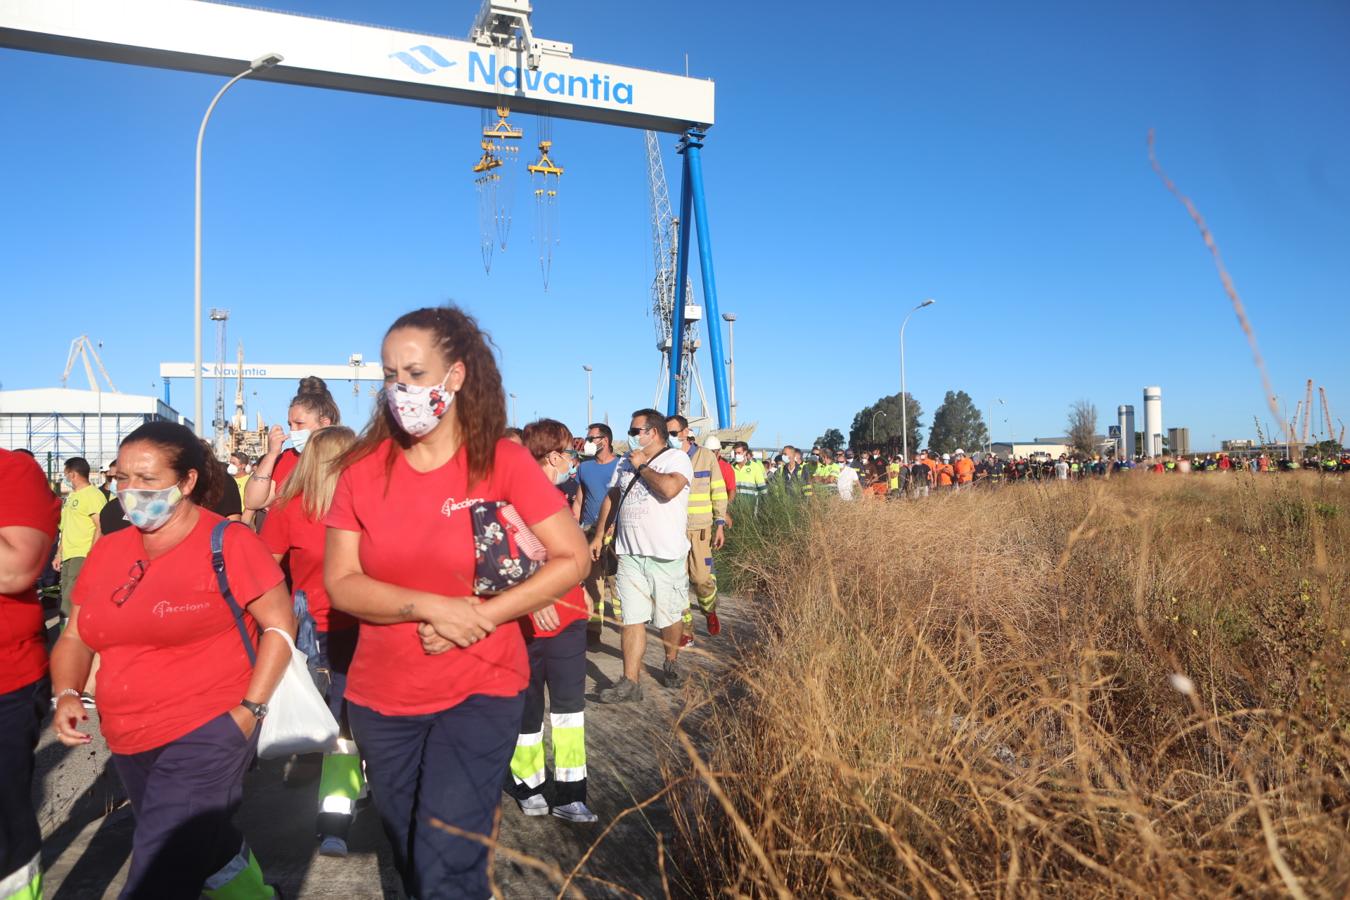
1153, 421
1125, 422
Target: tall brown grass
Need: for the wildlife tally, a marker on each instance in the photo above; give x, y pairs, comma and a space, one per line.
1134, 687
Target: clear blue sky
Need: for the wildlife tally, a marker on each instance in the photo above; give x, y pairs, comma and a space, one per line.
990, 155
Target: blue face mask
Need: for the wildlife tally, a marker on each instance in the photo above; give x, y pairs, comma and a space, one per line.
675, 443
112, 488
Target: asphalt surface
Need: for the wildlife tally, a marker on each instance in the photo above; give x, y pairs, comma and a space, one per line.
87, 825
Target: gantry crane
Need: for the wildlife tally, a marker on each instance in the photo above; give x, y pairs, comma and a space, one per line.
84, 348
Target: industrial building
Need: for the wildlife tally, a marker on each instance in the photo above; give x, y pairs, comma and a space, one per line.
1153, 421
1179, 441
58, 423
1125, 435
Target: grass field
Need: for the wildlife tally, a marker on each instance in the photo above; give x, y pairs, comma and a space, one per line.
1130, 687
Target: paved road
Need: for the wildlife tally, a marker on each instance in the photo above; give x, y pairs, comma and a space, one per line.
87, 825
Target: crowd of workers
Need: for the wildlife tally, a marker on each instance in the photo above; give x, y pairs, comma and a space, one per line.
442, 650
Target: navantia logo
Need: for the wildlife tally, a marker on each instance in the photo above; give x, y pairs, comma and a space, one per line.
597, 87
416, 64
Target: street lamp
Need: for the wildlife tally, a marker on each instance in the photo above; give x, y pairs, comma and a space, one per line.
989, 426
880, 412
258, 65
513, 409
589, 397
904, 401
730, 319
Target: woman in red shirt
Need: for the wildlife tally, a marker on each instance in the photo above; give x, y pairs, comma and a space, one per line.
179, 701
294, 532
28, 517
555, 639
312, 408
434, 694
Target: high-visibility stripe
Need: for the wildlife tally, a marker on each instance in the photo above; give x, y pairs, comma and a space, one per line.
340, 777
527, 762
577, 773
703, 473
240, 879
568, 720
343, 806
25, 882
569, 750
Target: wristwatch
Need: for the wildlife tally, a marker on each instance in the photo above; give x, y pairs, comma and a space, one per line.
259, 710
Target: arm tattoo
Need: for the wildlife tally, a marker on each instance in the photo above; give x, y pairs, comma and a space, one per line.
406, 610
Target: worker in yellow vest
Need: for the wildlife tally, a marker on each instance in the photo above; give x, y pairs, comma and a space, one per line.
706, 526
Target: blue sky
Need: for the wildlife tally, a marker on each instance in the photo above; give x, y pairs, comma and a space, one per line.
989, 155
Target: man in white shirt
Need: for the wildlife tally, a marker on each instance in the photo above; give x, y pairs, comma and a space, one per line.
848, 482
652, 542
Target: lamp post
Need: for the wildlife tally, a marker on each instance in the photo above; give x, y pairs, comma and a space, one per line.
589, 397
730, 319
513, 409
904, 401
98, 390
989, 426
880, 412
259, 64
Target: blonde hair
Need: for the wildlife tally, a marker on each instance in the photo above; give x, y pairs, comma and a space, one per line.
315, 477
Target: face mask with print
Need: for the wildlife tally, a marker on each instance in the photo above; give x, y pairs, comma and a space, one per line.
418, 408
299, 439
590, 448
150, 510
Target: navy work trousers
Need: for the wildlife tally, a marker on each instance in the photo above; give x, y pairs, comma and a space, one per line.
21, 713
185, 795
449, 766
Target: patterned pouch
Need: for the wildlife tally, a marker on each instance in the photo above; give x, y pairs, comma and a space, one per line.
505, 551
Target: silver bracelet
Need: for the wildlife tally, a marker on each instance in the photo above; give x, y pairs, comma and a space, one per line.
68, 692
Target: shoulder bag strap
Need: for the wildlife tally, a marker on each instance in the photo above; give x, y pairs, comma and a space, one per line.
614, 513
218, 564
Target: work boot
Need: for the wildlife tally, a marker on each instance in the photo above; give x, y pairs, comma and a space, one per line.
671, 676
624, 691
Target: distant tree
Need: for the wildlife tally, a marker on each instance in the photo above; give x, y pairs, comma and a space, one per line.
1082, 426
889, 423
957, 424
832, 439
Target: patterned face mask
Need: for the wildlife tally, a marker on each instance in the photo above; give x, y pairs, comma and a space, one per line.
418, 408
150, 510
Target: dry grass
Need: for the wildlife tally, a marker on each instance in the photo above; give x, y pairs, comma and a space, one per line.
1134, 687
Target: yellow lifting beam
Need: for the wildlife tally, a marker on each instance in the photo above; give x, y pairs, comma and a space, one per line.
544, 165
503, 129
490, 160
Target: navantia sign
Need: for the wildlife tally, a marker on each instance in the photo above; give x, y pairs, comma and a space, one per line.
220, 39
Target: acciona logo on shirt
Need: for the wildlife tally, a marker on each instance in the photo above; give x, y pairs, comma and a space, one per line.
451, 504
164, 608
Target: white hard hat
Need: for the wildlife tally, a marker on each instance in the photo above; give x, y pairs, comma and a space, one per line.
946, 457
960, 452
712, 442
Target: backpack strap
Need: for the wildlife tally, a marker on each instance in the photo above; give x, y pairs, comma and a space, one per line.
614, 513
218, 564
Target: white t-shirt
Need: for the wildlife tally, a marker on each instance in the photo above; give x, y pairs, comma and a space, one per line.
648, 525
847, 482
1061, 470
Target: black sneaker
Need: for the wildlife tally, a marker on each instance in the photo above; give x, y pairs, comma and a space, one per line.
671, 676
624, 691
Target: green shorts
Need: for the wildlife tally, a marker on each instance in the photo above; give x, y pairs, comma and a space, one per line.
652, 590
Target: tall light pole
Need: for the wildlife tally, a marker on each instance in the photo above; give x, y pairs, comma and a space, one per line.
513, 409
98, 390
590, 417
989, 426
259, 64
730, 319
904, 400
880, 412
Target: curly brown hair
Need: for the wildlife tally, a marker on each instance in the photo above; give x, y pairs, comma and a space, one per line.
546, 436
480, 403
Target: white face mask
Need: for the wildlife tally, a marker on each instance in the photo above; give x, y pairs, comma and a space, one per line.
299, 439
740, 457
232, 469
418, 408
150, 510
590, 449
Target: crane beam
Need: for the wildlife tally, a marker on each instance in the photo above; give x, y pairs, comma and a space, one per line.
1307, 412
538, 77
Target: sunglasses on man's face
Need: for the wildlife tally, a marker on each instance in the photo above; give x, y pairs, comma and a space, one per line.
634, 432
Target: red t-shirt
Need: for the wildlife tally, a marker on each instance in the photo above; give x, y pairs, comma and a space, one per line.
288, 530
284, 466
729, 476
571, 608
416, 533
173, 659
25, 500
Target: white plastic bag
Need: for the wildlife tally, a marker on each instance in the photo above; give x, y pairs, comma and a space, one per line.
298, 719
